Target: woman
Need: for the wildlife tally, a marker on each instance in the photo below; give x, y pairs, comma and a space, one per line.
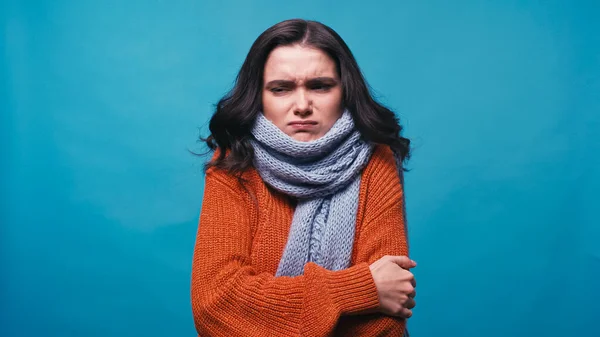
302, 229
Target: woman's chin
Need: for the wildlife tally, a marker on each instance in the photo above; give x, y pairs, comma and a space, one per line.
304, 136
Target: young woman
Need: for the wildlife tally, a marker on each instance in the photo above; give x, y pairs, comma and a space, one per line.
302, 230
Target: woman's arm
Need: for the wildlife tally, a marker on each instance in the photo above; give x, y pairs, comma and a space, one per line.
230, 298
382, 232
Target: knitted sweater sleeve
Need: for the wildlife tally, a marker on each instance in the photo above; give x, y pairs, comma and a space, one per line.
230, 298
381, 232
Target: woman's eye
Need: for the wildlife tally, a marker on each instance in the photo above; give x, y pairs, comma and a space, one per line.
278, 90
321, 87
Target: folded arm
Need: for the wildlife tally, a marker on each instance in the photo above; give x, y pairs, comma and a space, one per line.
381, 232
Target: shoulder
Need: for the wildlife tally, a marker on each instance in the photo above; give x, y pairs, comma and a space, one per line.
242, 183
385, 155
382, 165
382, 177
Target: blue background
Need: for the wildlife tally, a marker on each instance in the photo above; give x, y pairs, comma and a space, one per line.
101, 101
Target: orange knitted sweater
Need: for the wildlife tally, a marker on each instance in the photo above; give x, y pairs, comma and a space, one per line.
241, 237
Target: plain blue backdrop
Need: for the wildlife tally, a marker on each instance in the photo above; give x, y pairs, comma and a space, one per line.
101, 100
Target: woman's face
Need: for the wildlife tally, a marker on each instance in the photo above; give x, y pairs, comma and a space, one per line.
301, 92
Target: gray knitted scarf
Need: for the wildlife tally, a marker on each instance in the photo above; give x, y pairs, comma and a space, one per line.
324, 175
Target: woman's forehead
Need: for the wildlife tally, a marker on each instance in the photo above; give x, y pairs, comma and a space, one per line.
297, 62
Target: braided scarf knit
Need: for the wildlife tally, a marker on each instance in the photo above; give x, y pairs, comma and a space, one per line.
324, 175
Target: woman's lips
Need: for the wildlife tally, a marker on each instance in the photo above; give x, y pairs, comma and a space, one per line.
302, 125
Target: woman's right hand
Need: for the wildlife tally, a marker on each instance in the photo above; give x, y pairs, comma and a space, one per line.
395, 285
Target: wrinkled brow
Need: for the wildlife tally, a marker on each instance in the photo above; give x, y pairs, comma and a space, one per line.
312, 81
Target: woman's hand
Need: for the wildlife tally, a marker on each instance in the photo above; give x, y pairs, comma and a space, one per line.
395, 285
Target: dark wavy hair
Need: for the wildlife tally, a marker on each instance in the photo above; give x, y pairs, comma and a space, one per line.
230, 126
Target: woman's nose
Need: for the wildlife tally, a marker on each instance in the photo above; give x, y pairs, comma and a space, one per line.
303, 104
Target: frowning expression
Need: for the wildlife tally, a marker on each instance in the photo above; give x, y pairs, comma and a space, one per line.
301, 93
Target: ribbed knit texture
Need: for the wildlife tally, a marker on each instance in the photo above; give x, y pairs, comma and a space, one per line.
325, 177
241, 238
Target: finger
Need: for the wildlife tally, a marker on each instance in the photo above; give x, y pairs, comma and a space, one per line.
403, 261
413, 294
413, 281
405, 313
410, 303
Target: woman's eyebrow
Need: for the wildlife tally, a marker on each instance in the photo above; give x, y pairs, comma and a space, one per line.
283, 83
319, 80
311, 81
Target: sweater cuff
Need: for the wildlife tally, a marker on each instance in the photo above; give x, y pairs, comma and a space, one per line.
353, 289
